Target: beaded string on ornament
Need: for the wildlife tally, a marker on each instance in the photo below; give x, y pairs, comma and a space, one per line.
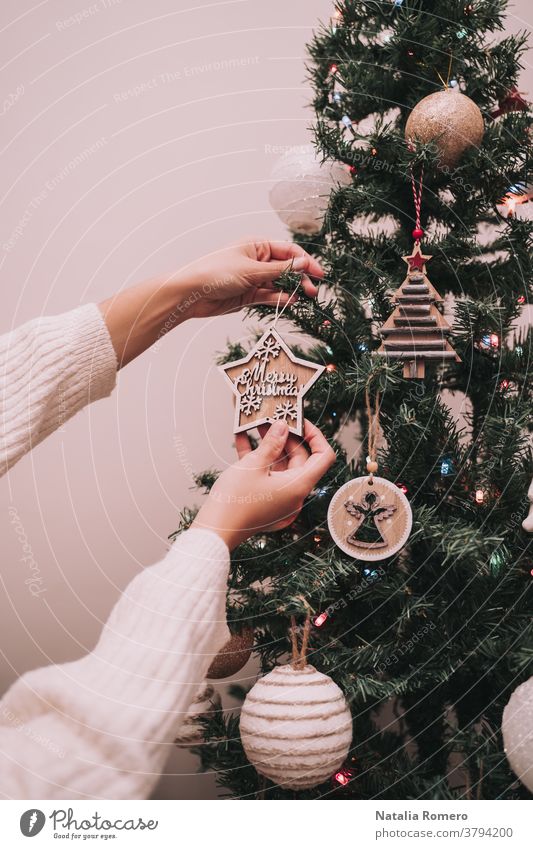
373, 430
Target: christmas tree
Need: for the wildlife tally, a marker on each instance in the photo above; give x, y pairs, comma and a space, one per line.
429, 644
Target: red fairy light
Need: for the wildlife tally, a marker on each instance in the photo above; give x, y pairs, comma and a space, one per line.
333, 69
504, 385
343, 777
320, 619
403, 488
521, 299
494, 340
331, 367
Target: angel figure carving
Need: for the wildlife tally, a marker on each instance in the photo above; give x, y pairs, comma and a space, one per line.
368, 515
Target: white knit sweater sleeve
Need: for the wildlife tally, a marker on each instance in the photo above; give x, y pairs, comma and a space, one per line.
102, 727
50, 368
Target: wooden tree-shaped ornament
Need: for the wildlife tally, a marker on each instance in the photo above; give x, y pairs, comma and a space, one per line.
416, 331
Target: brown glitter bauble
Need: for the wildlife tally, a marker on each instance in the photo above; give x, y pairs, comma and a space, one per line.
450, 120
235, 654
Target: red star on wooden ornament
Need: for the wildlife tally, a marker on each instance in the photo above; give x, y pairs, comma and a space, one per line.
417, 260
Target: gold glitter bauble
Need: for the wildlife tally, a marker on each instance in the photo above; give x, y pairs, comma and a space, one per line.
233, 656
450, 120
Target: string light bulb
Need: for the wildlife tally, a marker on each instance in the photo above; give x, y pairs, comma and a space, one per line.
331, 367
515, 197
342, 777
496, 562
319, 620
479, 496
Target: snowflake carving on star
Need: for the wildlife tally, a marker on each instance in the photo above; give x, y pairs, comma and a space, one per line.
249, 403
287, 410
269, 348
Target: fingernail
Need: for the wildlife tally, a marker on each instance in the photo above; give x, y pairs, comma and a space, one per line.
278, 429
299, 263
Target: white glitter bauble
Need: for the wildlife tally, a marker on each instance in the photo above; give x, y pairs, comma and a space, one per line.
301, 188
206, 702
296, 727
517, 730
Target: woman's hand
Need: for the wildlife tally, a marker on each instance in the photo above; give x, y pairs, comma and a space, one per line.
265, 489
223, 282
243, 275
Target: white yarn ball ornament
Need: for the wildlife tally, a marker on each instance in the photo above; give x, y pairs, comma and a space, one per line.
517, 730
296, 727
302, 186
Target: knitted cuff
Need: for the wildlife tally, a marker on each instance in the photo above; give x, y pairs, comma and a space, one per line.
93, 358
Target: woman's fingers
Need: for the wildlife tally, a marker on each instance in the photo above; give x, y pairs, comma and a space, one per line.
296, 451
321, 458
242, 445
270, 296
288, 251
281, 464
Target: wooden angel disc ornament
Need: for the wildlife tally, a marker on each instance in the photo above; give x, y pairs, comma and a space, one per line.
370, 518
270, 384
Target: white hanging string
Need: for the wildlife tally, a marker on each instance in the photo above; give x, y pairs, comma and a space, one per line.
278, 314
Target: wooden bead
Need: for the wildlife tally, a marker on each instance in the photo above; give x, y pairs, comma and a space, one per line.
372, 467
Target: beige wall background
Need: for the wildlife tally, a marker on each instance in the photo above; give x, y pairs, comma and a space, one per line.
134, 137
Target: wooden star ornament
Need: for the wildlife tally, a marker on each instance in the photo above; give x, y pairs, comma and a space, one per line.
417, 260
270, 384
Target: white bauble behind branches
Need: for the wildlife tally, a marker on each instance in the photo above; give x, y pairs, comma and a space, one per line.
301, 188
296, 727
517, 730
